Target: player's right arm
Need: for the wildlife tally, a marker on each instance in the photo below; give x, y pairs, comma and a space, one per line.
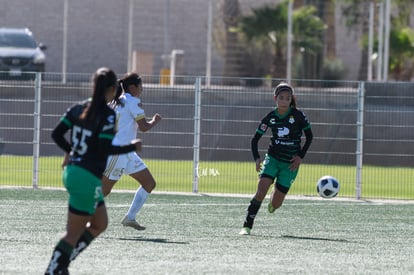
255, 141
106, 146
58, 135
255, 151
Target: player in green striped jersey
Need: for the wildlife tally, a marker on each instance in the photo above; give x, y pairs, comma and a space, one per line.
92, 127
284, 155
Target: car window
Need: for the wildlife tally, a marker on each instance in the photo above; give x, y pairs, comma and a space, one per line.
18, 40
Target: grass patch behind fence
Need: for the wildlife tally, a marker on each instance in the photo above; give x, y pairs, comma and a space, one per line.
225, 177
197, 234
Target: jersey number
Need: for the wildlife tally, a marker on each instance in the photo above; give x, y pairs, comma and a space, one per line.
78, 139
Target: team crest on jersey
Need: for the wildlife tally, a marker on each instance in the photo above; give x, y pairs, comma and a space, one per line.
263, 127
111, 119
140, 105
291, 120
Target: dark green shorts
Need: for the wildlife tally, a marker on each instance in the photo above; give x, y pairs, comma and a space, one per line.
278, 170
84, 188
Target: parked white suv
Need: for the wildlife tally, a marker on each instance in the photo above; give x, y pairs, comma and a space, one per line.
19, 54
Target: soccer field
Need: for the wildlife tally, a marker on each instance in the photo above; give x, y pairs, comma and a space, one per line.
231, 177
196, 234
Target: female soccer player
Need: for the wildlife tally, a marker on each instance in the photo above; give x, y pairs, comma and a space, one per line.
131, 116
92, 126
284, 154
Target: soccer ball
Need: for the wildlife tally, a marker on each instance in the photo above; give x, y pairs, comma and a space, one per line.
327, 187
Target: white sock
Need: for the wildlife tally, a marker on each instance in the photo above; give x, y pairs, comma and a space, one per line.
139, 199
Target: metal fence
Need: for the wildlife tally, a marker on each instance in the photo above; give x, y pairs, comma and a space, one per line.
363, 133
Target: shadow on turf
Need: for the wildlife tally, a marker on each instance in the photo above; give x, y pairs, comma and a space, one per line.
140, 239
314, 239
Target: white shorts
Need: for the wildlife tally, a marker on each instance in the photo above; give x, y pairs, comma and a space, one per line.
117, 165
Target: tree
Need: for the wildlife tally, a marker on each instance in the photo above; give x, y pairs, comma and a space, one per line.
308, 31
402, 54
327, 58
266, 29
227, 41
233, 51
401, 60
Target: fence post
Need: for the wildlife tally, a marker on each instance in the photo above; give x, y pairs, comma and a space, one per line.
36, 131
360, 139
196, 145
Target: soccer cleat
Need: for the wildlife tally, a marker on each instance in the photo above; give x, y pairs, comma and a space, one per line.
132, 223
64, 271
245, 231
270, 208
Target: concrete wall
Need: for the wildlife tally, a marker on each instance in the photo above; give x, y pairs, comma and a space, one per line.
98, 32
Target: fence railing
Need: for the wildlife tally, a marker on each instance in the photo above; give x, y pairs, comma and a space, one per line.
363, 133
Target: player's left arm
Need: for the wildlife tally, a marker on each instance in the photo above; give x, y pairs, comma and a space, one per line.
296, 160
306, 127
134, 106
308, 141
145, 125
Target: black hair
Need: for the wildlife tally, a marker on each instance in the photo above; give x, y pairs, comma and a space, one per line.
129, 79
123, 84
285, 87
116, 101
102, 79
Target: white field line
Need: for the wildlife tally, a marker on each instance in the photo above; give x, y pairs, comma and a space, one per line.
288, 197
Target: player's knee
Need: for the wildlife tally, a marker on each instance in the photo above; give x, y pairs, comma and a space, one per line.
149, 185
103, 226
98, 227
149, 188
106, 186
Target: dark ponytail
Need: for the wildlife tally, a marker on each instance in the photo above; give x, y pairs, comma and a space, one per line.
119, 90
130, 79
103, 79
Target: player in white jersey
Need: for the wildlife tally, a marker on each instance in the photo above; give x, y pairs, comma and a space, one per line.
130, 118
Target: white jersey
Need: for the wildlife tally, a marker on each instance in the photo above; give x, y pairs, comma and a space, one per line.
127, 117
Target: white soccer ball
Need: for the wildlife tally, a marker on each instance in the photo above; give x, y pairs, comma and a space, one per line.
327, 187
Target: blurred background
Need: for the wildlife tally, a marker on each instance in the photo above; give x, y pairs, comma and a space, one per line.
331, 40
209, 68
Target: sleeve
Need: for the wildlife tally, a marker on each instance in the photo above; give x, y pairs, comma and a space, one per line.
309, 137
254, 145
106, 146
58, 133
306, 127
255, 140
134, 106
